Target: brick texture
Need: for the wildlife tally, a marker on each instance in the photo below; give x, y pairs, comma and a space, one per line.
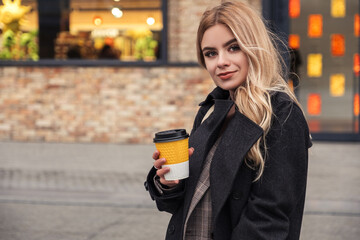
121, 105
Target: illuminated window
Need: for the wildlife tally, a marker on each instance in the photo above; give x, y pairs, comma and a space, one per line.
80, 29
356, 67
357, 25
19, 30
314, 104
314, 66
337, 45
315, 26
356, 105
338, 8
337, 85
294, 41
294, 8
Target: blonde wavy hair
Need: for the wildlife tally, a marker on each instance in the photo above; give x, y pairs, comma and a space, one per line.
265, 74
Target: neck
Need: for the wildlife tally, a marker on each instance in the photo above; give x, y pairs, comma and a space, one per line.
232, 94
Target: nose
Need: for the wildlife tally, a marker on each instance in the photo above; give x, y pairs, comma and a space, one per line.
223, 60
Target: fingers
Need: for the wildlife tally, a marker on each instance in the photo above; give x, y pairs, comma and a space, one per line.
156, 155
161, 173
159, 162
169, 183
191, 151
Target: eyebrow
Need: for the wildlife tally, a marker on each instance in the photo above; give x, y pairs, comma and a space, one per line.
224, 45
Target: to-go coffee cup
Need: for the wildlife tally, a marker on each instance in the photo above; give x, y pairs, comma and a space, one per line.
173, 145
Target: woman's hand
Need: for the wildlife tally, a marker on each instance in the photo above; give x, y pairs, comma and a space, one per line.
162, 171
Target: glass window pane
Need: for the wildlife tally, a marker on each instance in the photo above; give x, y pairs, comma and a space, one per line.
356, 105
314, 104
126, 30
294, 8
294, 41
338, 8
314, 65
315, 26
357, 25
19, 35
337, 45
337, 85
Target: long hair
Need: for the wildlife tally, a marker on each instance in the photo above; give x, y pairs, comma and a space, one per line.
265, 73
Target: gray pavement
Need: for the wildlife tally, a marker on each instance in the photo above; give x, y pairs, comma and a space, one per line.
95, 191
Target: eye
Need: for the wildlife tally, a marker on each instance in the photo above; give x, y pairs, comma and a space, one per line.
234, 48
209, 53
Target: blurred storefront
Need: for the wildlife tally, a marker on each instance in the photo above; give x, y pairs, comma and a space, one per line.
324, 37
119, 70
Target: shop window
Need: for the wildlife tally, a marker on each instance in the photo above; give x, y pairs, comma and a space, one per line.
338, 9
294, 8
294, 41
315, 26
126, 30
337, 45
337, 85
314, 65
314, 104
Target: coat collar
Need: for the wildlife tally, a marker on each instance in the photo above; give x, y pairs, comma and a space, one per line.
217, 93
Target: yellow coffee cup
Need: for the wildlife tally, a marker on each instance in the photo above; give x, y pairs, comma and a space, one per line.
173, 145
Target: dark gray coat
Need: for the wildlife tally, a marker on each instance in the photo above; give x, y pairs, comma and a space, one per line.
270, 208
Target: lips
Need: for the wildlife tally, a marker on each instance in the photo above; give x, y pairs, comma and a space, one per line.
226, 75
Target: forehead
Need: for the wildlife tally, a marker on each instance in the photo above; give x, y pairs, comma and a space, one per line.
216, 35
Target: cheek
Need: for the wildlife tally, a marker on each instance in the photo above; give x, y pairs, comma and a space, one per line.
210, 66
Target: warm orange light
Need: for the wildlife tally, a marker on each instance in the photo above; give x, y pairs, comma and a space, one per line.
315, 26
357, 25
314, 65
314, 104
337, 85
356, 104
356, 66
294, 8
294, 41
291, 84
314, 125
338, 8
337, 45
97, 20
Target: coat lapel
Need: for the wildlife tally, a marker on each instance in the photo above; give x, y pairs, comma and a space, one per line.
239, 136
202, 140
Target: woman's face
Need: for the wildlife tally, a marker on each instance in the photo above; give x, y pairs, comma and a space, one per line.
224, 60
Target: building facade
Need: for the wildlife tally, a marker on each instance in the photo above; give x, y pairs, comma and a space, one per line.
57, 98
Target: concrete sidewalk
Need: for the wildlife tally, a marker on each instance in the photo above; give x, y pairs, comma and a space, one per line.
95, 191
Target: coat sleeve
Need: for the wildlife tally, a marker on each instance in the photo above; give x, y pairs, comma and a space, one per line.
276, 201
166, 201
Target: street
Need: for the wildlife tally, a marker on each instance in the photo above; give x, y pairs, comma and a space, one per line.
61, 191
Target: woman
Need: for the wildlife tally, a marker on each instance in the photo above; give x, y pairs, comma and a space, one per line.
248, 159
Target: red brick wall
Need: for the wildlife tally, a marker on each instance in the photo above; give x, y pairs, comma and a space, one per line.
121, 105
